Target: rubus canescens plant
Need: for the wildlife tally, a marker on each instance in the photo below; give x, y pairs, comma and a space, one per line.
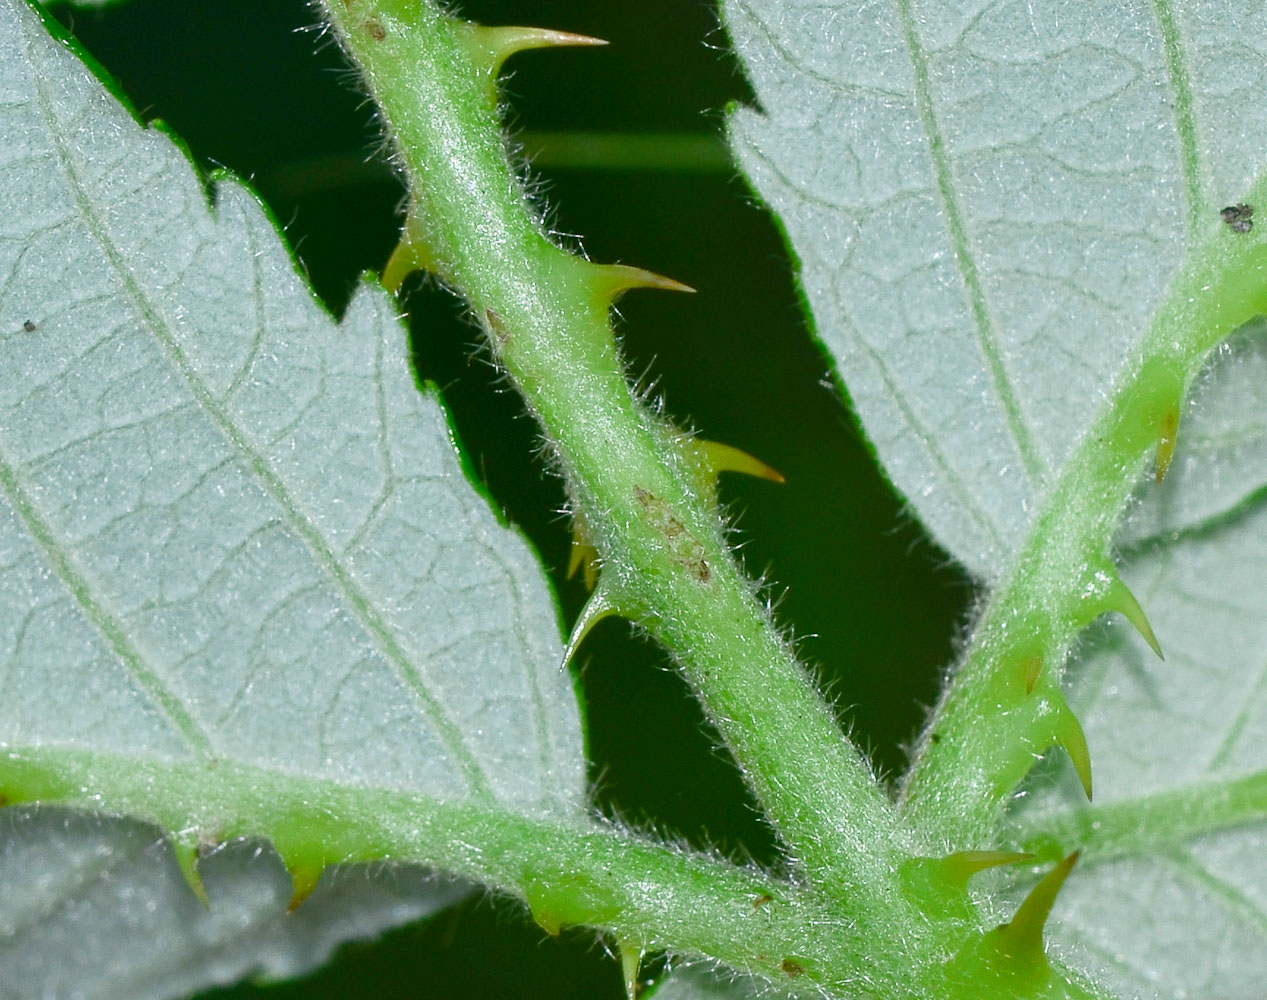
248, 593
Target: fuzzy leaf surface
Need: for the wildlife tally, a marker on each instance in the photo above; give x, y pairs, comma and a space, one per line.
231, 529
1170, 899
988, 200
699, 983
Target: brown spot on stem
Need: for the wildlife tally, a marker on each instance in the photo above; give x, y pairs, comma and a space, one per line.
375, 29
792, 967
686, 550
761, 900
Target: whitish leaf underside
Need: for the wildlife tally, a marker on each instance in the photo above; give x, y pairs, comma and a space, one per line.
1172, 898
987, 200
230, 527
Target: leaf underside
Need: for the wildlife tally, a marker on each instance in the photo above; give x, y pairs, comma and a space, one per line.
231, 529
987, 202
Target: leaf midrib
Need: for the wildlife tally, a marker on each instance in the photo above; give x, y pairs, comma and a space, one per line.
1153, 822
987, 336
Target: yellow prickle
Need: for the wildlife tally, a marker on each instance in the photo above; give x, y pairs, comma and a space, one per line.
489, 48
1068, 734
1021, 939
1121, 600
546, 920
185, 848
410, 255
630, 960
719, 458
304, 879
611, 281
599, 606
959, 867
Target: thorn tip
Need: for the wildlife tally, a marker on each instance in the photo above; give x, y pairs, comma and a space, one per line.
962, 865
598, 607
616, 279
1073, 740
721, 458
1022, 936
1121, 600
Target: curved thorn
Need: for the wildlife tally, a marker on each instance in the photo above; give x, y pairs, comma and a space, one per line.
546, 920
598, 607
613, 280
304, 879
721, 458
1121, 600
185, 847
630, 960
489, 48
959, 867
408, 257
1022, 936
1069, 736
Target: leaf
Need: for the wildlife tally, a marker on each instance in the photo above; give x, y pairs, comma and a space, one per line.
1222, 465
232, 532
1170, 898
693, 982
987, 202
103, 897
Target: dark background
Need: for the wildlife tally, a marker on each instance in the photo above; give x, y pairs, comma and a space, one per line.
875, 604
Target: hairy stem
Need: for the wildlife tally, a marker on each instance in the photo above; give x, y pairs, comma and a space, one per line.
567, 872
645, 501
1005, 707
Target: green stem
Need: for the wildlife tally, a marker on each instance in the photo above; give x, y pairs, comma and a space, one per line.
576, 872
1152, 824
644, 499
1004, 707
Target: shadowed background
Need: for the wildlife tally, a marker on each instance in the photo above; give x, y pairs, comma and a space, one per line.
626, 147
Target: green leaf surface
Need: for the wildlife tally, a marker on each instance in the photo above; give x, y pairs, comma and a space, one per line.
1170, 898
231, 530
988, 201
